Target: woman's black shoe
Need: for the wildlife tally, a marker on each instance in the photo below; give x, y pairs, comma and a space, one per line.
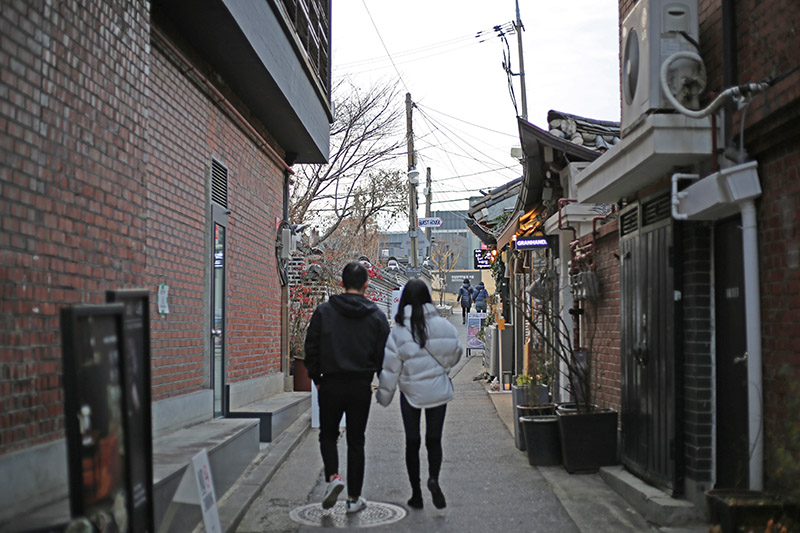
436, 494
416, 501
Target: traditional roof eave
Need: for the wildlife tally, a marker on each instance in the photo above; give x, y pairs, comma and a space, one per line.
541, 150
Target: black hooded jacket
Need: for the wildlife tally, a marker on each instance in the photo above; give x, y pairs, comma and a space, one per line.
346, 338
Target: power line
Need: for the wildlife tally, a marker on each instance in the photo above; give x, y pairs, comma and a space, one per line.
384, 46
443, 126
475, 173
471, 123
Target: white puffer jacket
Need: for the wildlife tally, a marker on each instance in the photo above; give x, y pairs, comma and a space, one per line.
421, 372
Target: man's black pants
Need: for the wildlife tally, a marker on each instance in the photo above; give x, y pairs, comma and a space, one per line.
352, 397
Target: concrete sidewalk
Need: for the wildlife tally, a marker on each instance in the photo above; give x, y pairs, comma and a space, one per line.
488, 482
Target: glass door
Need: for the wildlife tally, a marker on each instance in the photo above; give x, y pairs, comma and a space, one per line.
218, 321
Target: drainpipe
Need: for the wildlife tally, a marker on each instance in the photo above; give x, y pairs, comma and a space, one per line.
678, 195
752, 304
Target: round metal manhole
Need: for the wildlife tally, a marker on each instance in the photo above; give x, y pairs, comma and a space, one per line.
375, 514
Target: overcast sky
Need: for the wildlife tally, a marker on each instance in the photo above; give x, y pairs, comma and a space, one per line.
465, 122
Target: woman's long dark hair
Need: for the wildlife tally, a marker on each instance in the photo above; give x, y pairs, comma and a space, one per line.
415, 294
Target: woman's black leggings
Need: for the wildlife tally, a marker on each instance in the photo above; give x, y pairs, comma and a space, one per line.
434, 423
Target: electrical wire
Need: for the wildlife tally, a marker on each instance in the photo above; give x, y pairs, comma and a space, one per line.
441, 126
380, 37
516, 136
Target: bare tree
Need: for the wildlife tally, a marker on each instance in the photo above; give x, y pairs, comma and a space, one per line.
365, 138
445, 253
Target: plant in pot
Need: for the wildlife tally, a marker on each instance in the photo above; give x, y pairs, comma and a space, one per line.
537, 421
587, 432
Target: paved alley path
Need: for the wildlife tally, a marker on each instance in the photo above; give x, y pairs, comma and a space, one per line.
487, 481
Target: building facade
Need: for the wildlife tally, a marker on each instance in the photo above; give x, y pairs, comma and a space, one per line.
138, 154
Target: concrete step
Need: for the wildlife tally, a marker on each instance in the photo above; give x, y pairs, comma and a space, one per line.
653, 504
231, 446
275, 413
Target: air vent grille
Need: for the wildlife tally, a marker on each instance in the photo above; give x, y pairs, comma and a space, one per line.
629, 222
219, 183
655, 210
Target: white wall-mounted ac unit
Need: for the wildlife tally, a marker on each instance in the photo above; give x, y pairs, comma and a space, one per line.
653, 31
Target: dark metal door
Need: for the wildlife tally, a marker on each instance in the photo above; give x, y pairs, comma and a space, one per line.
648, 343
731, 362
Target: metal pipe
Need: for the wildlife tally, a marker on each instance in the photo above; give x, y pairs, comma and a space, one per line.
753, 327
676, 196
595, 220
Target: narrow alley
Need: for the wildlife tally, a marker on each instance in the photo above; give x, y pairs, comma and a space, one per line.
488, 483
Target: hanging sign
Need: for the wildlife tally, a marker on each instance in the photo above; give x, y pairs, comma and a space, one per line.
531, 243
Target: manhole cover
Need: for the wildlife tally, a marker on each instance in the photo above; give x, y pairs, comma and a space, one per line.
375, 514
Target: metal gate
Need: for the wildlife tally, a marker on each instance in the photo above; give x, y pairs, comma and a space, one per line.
648, 342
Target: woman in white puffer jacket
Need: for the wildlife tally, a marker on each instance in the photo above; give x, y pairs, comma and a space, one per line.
420, 351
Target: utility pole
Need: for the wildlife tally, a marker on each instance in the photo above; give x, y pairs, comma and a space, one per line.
413, 179
519, 27
428, 194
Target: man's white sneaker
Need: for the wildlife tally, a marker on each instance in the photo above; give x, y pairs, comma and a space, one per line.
354, 506
332, 492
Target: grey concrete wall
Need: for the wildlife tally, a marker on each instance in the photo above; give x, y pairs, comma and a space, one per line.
32, 478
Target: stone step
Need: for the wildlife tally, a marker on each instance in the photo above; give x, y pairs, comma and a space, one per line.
231, 445
275, 413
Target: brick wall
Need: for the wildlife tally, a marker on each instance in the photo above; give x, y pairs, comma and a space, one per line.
696, 300
187, 131
779, 248
72, 138
602, 319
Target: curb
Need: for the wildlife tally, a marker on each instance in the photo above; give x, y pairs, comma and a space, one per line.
234, 504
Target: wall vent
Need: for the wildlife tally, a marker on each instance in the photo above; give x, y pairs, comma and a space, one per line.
629, 222
655, 210
219, 183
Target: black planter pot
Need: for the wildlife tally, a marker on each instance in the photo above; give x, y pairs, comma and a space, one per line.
739, 510
542, 440
588, 440
519, 396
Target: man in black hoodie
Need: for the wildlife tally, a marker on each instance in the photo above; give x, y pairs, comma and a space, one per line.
344, 349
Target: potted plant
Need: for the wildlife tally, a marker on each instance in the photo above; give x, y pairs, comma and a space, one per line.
587, 432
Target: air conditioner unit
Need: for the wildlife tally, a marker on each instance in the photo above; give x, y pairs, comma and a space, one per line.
653, 31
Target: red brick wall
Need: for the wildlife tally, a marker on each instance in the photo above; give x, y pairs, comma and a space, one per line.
72, 203
779, 247
187, 131
104, 173
768, 45
602, 319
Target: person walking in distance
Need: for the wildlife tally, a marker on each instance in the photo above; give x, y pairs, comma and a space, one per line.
480, 295
465, 297
420, 351
344, 350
